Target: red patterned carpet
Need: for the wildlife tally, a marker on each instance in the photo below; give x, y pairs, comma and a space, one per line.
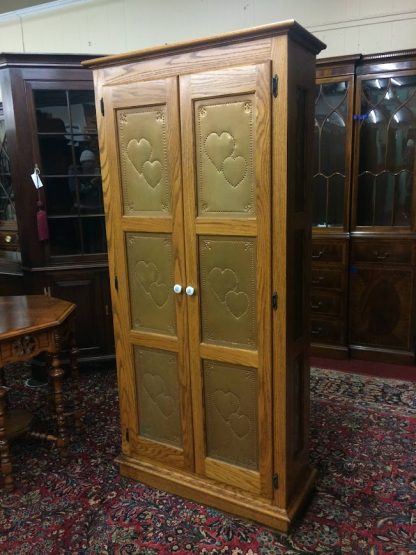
363, 443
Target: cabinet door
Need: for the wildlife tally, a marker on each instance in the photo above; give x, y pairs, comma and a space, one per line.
144, 203
226, 164
384, 166
381, 307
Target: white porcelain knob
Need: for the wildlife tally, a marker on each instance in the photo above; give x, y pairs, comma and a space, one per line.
189, 290
177, 288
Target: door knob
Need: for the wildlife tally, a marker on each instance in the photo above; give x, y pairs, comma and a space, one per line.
189, 290
177, 288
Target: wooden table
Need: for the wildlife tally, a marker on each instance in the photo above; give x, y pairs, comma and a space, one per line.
29, 325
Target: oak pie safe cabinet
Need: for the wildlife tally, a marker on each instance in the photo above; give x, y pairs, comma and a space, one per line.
206, 161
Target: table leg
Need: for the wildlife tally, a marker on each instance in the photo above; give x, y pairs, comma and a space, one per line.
5, 462
75, 384
56, 375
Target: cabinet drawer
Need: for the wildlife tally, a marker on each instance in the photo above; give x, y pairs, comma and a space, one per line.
9, 241
328, 279
326, 251
326, 303
382, 252
327, 331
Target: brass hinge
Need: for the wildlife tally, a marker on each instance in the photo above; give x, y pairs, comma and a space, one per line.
116, 282
102, 106
275, 481
274, 300
275, 85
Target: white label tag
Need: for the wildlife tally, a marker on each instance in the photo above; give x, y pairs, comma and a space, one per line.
36, 180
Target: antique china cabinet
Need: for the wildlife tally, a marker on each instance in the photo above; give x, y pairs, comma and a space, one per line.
206, 190
378, 207
331, 186
47, 119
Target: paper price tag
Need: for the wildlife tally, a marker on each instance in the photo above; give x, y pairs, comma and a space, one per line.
36, 180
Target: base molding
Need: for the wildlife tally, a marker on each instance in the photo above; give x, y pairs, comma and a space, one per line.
222, 497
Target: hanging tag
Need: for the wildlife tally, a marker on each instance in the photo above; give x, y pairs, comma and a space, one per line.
35, 178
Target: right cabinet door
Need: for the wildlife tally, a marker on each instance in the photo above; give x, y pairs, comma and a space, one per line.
225, 118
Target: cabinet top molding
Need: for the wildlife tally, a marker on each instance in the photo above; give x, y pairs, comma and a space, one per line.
289, 27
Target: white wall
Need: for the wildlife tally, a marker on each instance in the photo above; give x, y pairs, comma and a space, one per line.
112, 26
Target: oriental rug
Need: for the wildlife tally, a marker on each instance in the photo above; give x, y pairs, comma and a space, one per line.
362, 442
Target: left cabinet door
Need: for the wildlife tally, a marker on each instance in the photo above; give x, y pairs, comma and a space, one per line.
142, 196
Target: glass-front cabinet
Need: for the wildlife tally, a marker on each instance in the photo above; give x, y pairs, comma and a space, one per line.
51, 201
364, 228
331, 185
9, 240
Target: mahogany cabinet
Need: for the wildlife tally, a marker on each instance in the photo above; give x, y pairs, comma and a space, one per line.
47, 120
206, 190
364, 200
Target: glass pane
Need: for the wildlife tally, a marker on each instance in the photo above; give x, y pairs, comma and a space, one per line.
331, 111
93, 234
319, 198
158, 395
387, 146
336, 200
55, 154
231, 413
52, 113
60, 194
143, 158
403, 198
82, 107
365, 200
225, 156
384, 201
228, 290
150, 268
64, 236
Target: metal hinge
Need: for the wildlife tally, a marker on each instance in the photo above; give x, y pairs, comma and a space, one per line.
275, 84
274, 300
116, 282
102, 106
127, 435
275, 481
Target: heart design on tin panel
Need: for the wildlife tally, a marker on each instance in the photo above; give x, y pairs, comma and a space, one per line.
222, 281
159, 293
166, 404
226, 403
240, 424
237, 303
234, 170
147, 274
219, 147
154, 385
152, 172
138, 153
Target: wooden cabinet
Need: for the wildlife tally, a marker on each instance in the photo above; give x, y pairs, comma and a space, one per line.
47, 120
368, 149
208, 252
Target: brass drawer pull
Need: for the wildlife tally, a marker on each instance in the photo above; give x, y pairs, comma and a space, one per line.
317, 306
381, 256
8, 239
316, 331
319, 254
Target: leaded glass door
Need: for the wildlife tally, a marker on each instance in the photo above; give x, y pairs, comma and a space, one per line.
225, 118
386, 136
145, 226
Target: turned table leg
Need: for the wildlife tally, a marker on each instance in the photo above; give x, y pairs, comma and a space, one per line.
5, 463
56, 375
75, 384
